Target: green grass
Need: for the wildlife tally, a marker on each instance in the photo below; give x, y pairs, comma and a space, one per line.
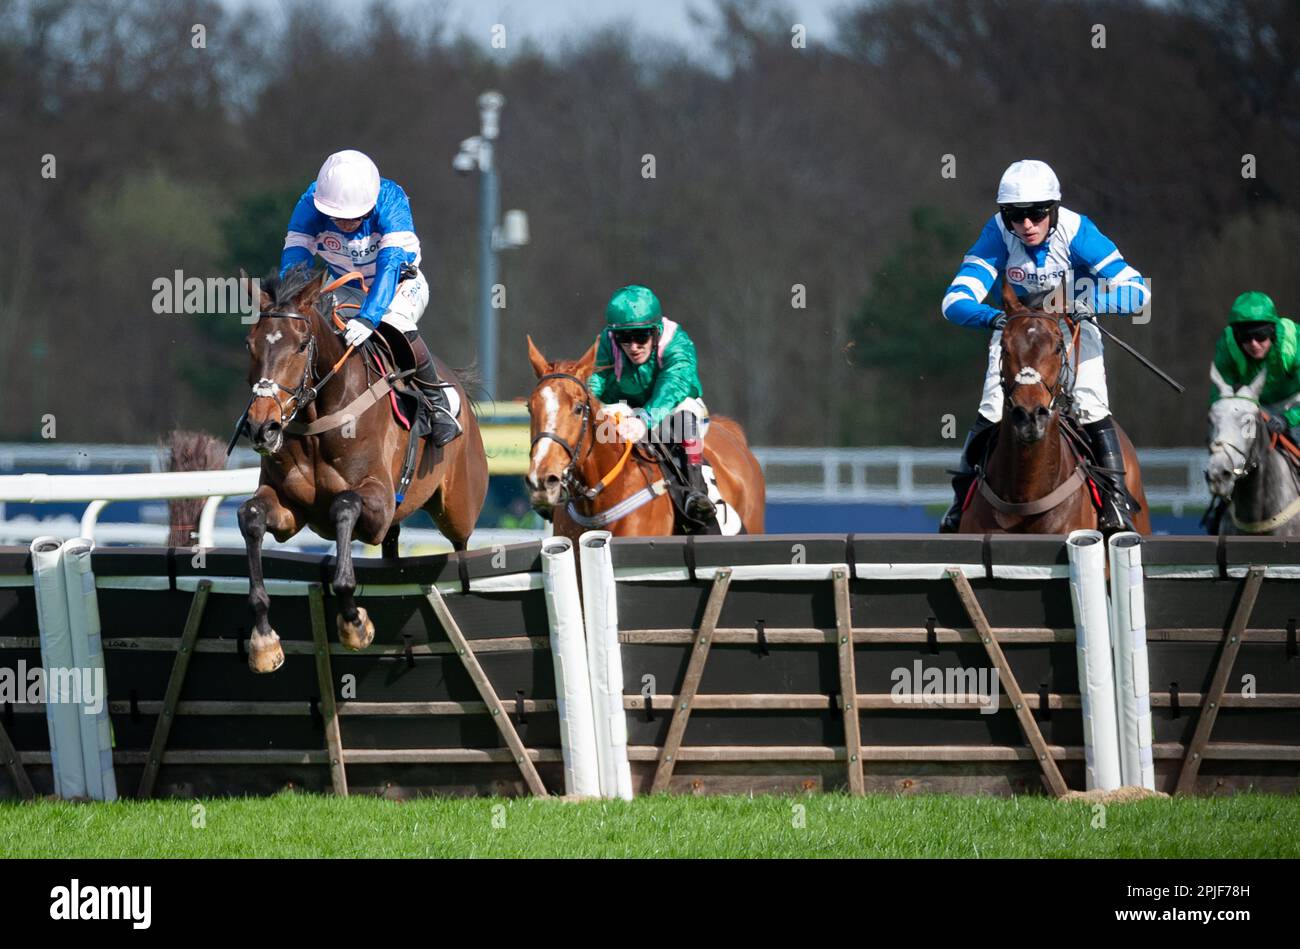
301, 825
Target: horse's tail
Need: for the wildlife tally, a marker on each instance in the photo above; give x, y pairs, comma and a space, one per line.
189, 451
471, 380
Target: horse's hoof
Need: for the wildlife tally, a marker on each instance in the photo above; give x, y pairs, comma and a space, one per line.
356, 635
264, 652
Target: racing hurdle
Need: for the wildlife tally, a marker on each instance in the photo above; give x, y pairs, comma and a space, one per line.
778, 664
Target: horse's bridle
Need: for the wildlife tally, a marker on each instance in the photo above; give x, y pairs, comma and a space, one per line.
1028, 375
569, 478
1249, 459
307, 389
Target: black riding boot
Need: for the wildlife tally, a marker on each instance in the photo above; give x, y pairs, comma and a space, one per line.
698, 505
1116, 504
443, 425
972, 451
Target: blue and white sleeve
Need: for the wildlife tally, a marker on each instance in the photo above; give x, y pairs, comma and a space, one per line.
300, 242
1125, 290
398, 246
963, 302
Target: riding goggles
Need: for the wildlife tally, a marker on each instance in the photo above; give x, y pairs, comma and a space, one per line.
637, 336
1254, 333
1013, 214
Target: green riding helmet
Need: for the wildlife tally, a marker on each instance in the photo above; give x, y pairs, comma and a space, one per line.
633, 307
1253, 307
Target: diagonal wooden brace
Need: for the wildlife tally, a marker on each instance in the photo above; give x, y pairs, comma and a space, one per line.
691, 683
486, 691
13, 763
1213, 699
1052, 773
848, 681
325, 681
175, 683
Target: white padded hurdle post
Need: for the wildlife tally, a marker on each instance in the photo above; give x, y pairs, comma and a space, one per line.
1087, 553
1128, 629
605, 663
88, 659
572, 682
61, 717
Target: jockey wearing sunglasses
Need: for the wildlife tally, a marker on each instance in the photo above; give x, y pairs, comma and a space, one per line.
648, 361
1256, 340
1038, 245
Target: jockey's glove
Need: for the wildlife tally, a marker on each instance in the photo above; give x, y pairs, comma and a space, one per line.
998, 321
1082, 310
357, 331
1277, 425
631, 429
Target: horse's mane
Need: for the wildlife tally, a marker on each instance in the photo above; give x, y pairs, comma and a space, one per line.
574, 367
283, 290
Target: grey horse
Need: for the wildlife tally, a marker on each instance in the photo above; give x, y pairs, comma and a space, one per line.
1259, 484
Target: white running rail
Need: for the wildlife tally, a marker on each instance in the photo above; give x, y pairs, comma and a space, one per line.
1173, 477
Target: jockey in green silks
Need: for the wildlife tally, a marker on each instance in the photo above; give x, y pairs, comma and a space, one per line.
648, 361
1256, 338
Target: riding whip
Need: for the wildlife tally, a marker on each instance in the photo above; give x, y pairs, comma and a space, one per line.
1174, 383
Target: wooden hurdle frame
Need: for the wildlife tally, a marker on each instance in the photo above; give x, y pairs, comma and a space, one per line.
849, 701
666, 762
331, 708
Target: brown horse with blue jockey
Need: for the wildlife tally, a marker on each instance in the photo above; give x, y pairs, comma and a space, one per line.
341, 453
1038, 476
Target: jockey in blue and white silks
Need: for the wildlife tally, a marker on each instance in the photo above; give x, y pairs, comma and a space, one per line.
1037, 245
356, 220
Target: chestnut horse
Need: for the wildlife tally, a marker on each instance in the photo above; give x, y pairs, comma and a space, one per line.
1033, 483
578, 457
338, 476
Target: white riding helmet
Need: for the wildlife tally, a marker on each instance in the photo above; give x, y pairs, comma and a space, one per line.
347, 186
1028, 182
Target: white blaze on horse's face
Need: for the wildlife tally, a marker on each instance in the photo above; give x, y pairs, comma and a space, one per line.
1233, 428
543, 491
550, 412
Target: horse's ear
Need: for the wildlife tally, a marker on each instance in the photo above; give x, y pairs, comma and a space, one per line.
1225, 390
535, 357
250, 289
1256, 385
1009, 298
1055, 302
588, 361
311, 293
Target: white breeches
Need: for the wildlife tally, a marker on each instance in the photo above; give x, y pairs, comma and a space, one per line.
404, 312
1091, 401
